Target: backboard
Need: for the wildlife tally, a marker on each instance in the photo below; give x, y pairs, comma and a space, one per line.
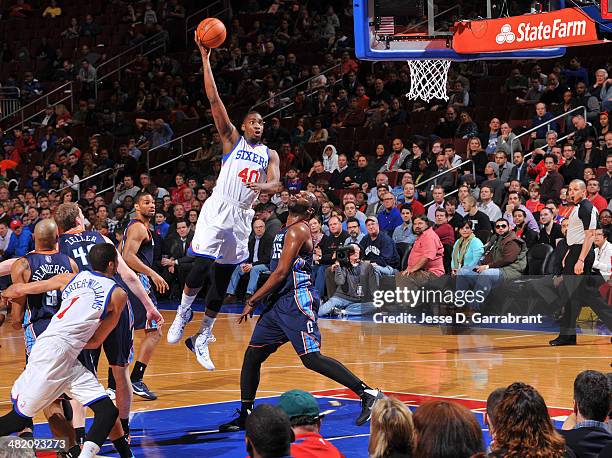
423, 29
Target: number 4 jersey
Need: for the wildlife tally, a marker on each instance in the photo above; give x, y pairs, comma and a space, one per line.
77, 245
223, 227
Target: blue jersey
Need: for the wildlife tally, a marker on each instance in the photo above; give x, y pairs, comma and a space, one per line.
44, 265
301, 267
146, 249
77, 245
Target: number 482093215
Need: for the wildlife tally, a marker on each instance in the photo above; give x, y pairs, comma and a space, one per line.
249, 175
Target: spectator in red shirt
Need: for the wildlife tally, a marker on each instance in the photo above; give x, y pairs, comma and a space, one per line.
534, 204
425, 261
598, 201
444, 230
305, 417
177, 192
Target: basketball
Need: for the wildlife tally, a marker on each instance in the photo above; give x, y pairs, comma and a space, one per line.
211, 32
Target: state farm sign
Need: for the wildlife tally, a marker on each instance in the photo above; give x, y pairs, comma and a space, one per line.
566, 27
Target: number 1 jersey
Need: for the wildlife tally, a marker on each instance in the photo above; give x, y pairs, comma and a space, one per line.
243, 164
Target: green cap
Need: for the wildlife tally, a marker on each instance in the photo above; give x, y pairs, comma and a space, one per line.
298, 403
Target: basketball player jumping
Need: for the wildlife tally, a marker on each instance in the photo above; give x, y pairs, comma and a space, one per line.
292, 315
34, 313
137, 249
90, 309
222, 231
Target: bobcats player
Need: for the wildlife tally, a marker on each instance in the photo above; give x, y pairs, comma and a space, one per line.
221, 236
76, 242
292, 315
91, 307
137, 249
36, 311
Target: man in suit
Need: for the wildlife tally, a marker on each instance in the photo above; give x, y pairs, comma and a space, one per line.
585, 431
175, 263
260, 252
519, 171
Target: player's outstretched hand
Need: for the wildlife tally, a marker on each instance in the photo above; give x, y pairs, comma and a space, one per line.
160, 283
203, 49
155, 315
247, 312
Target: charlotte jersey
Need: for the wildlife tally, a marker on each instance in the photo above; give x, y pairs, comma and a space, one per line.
77, 245
84, 302
301, 267
243, 164
146, 250
44, 265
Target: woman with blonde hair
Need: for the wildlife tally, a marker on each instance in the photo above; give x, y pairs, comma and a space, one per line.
391, 430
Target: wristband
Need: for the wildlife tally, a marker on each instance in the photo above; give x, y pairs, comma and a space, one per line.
581, 260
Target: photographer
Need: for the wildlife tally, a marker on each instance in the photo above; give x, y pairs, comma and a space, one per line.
355, 282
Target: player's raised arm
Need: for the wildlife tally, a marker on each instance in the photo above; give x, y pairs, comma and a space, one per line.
273, 173
23, 289
228, 132
295, 238
113, 313
137, 233
131, 280
20, 273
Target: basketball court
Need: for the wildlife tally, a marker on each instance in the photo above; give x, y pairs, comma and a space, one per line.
414, 363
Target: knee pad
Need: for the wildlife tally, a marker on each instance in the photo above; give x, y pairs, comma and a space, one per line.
257, 355
199, 272
67, 408
105, 410
311, 360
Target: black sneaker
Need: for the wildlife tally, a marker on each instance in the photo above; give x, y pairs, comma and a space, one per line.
237, 424
142, 390
563, 340
368, 400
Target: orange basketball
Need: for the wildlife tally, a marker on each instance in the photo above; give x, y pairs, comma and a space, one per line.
211, 32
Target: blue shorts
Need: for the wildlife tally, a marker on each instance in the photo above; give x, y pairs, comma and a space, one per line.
292, 318
118, 345
138, 308
32, 330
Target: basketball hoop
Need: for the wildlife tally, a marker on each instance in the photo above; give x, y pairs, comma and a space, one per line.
428, 79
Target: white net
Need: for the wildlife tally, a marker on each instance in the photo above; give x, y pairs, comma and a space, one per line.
428, 79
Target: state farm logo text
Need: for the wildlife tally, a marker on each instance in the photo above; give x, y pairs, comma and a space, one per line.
541, 32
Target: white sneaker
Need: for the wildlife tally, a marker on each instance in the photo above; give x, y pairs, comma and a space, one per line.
177, 327
199, 345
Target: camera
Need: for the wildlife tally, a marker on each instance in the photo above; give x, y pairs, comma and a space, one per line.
342, 255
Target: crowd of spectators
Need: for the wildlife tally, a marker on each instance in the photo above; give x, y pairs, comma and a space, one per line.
516, 417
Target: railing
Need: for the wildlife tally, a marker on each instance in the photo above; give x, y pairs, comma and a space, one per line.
120, 61
445, 196
533, 129
293, 88
61, 94
452, 169
192, 21
79, 184
180, 140
10, 101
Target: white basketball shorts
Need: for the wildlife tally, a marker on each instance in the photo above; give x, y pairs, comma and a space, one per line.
222, 231
52, 370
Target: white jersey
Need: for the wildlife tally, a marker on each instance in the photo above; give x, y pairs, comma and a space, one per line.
243, 164
84, 302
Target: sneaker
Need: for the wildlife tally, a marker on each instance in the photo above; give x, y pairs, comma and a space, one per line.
175, 332
237, 424
368, 400
199, 345
141, 389
111, 394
